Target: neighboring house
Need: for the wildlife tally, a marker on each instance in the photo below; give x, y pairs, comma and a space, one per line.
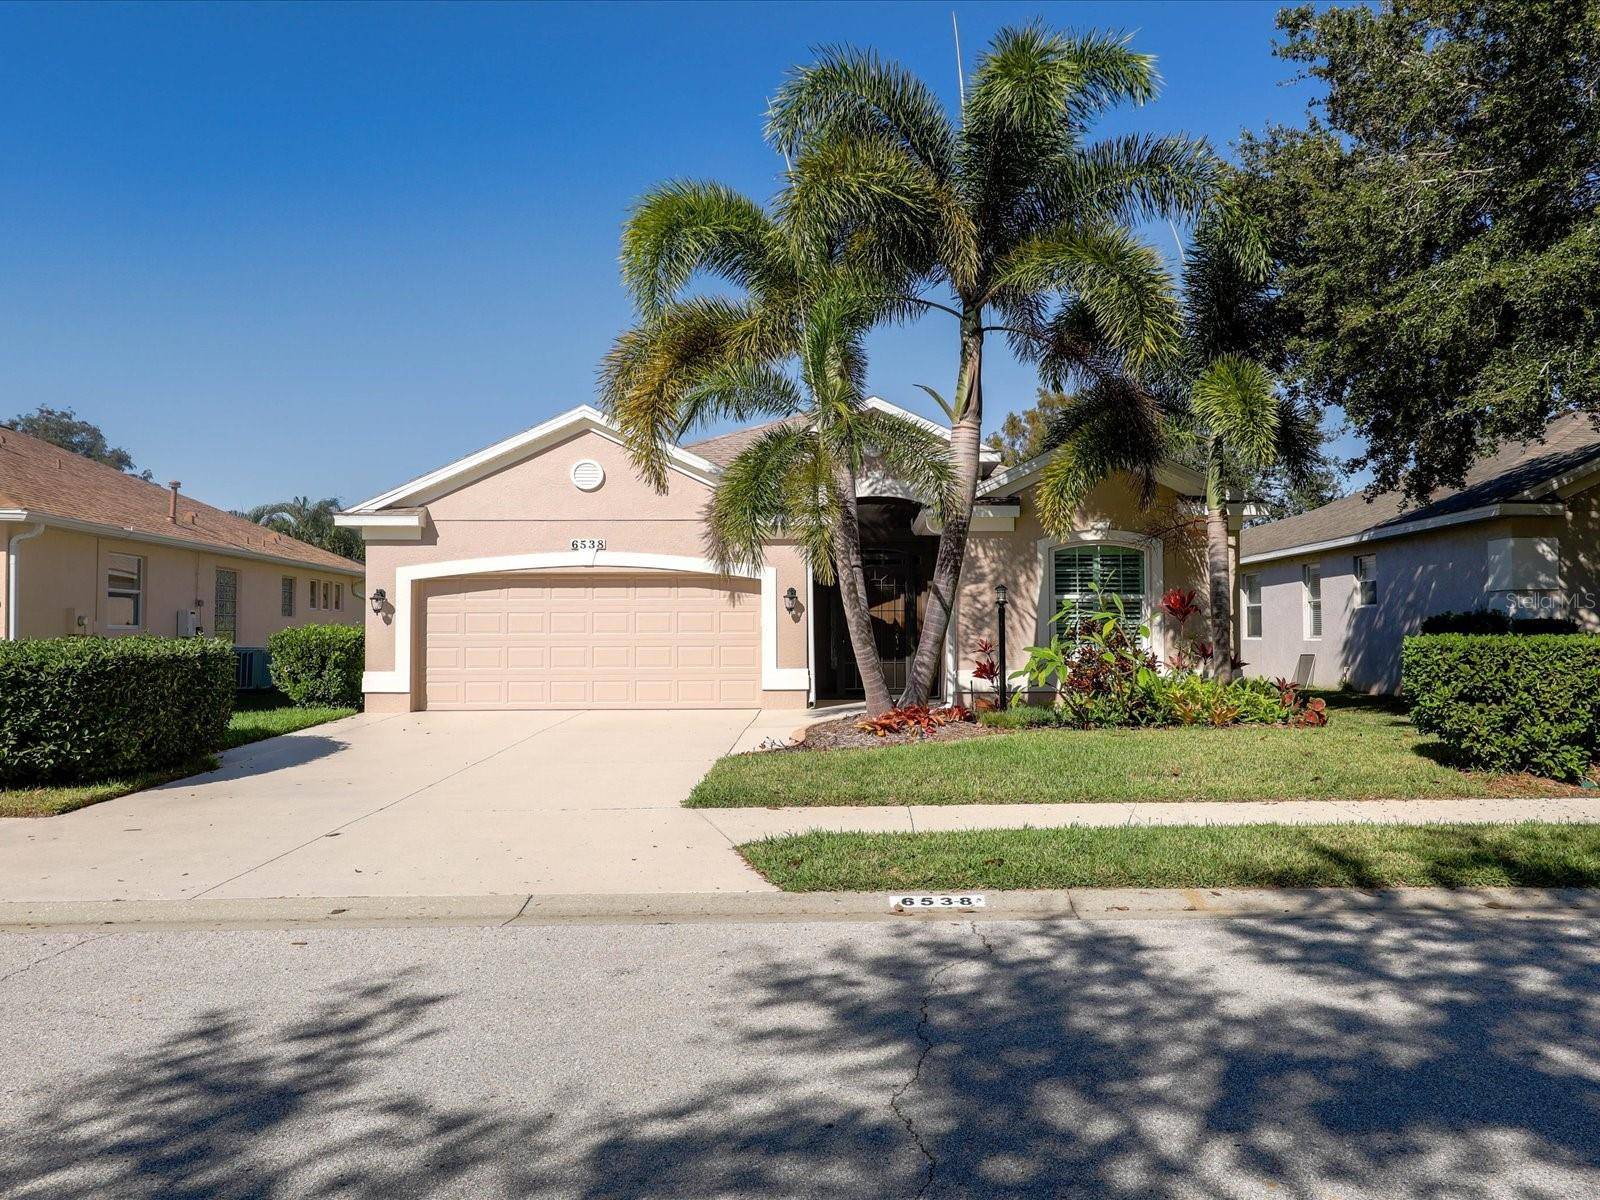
542, 573
87, 549
1327, 596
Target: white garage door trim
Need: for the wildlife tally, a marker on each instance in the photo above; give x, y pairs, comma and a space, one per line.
773, 677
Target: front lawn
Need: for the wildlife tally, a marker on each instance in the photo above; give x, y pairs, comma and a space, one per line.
1531, 854
1368, 751
256, 717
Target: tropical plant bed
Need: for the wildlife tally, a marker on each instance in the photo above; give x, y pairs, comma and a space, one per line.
1529, 854
255, 719
845, 733
1367, 751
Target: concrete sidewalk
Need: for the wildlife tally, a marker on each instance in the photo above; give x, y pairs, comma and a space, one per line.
748, 824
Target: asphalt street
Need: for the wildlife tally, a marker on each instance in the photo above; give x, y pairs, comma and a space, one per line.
1428, 1055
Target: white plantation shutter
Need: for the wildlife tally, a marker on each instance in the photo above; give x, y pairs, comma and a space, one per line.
1119, 570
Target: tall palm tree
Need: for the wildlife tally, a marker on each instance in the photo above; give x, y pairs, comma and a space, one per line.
788, 345
1016, 216
1228, 405
312, 522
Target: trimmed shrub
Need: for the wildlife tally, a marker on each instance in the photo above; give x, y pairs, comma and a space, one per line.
1488, 620
83, 709
1508, 702
318, 664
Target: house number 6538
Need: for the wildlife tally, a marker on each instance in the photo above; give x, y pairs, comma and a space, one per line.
588, 543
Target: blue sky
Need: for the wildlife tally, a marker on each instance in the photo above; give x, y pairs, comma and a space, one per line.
284, 250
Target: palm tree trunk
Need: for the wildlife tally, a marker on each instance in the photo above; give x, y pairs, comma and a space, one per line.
965, 434
853, 592
1221, 587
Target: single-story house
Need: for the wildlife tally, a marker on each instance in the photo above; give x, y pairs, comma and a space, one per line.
1328, 596
540, 572
87, 549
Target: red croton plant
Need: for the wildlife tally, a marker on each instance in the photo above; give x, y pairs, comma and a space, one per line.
1182, 605
914, 718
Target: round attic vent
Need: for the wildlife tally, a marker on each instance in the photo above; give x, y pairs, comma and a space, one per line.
587, 474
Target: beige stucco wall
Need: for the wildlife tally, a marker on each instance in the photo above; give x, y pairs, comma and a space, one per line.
63, 578
1019, 559
533, 507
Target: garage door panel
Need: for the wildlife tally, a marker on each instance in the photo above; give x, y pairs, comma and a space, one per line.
619, 641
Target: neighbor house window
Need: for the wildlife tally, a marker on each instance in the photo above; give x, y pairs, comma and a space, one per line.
1311, 577
1115, 570
124, 591
288, 595
1366, 580
327, 595
338, 597
1252, 606
312, 603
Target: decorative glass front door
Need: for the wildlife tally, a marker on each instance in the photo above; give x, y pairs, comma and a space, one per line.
891, 578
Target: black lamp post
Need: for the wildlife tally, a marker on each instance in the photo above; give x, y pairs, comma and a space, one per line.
1000, 642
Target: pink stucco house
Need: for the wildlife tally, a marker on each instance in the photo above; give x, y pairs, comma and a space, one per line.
86, 549
540, 572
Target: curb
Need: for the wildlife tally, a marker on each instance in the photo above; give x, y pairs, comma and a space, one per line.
1086, 904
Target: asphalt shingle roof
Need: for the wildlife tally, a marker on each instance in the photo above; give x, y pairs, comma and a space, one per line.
44, 479
1569, 442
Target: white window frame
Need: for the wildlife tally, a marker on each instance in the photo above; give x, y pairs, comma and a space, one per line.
123, 593
1154, 577
1366, 572
287, 587
1312, 600
1250, 605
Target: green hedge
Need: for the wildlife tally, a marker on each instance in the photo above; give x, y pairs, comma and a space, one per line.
319, 664
1508, 702
85, 709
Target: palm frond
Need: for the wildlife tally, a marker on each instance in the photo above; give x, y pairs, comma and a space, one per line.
686, 226
910, 452
857, 94
736, 391
1112, 427
1032, 79
1111, 276
753, 501
1236, 400
1135, 177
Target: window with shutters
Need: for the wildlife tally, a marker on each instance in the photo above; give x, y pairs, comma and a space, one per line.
1115, 570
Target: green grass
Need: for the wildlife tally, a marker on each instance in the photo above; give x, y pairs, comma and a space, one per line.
257, 716
1530, 854
1368, 751
264, 718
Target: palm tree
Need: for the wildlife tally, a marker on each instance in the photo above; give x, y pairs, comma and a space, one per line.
1015, 215
1228, 405
692, 360
310, 521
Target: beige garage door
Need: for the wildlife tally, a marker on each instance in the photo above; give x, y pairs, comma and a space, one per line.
648, 640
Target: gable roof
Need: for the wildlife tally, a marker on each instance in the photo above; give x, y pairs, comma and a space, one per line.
42, 482
515, 448
1517, 473
1186, 481
725, 447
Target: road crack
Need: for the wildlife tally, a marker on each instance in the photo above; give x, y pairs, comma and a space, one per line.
23, 970
925, 1040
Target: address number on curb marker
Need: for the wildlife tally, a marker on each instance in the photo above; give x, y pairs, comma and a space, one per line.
933, 901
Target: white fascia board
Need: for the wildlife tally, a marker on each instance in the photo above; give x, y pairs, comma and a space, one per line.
123, 533
1383, 533
583, 418
986, 518
383, 526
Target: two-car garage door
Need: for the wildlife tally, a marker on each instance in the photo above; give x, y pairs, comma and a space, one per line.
645, 640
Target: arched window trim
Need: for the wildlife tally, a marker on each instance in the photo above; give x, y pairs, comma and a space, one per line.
1154, 577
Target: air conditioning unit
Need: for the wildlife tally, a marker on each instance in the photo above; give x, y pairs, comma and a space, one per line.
189, 623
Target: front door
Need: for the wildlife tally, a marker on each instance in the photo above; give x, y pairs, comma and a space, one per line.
225, 618
891, 577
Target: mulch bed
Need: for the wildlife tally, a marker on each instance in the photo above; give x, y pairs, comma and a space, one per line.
842, 734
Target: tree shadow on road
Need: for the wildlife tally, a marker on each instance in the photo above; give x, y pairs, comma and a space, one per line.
1393, 1056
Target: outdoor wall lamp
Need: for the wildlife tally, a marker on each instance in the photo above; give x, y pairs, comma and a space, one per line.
379, 599
791, 601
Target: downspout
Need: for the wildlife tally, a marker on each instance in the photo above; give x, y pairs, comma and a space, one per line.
12, 565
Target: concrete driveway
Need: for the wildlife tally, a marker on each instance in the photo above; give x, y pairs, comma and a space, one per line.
420, 804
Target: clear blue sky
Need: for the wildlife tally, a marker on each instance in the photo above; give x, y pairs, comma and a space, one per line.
283, 250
